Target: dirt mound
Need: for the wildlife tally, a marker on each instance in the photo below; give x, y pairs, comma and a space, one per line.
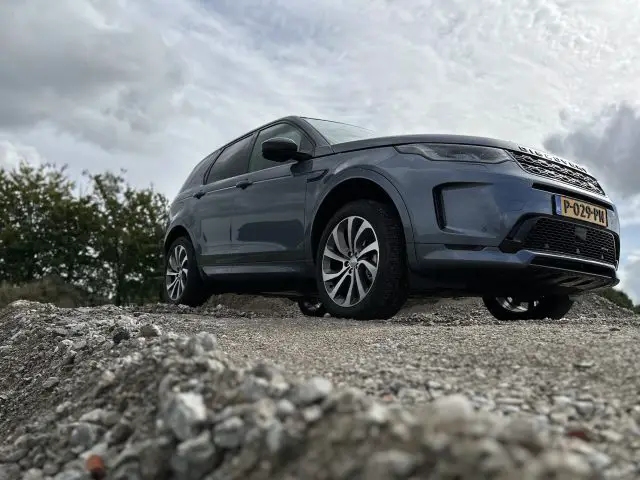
52, 289
99, 388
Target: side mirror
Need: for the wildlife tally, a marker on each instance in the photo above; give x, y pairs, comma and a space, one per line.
281, 149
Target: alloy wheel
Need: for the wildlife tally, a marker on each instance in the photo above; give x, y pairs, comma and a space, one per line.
514, 305
177, 272
350, 261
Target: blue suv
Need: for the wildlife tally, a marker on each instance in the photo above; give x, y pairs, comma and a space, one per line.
352, 224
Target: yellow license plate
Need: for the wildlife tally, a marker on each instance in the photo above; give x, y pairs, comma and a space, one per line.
569, 207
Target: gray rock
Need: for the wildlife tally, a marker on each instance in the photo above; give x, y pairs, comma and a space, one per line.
9, 471
201, 343
119, 433
285, 408
12, 454
229, 433
50, 382
185, 414
120, 335
71, 475
33, 474
313, 390
149, 330
194, 458
390, 464
84, 436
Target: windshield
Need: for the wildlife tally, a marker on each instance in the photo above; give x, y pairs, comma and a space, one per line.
336, 132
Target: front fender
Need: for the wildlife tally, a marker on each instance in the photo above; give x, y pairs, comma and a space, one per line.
372, 174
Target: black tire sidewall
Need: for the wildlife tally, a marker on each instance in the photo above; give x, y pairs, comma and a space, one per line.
392, 268
194, 289
310, 312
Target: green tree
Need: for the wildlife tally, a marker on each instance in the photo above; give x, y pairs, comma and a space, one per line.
106, 241
128, 238
44, 225
618, 297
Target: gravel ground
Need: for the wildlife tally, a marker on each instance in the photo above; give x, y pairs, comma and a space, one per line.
249, 390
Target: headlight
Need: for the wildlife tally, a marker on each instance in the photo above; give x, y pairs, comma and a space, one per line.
457, 153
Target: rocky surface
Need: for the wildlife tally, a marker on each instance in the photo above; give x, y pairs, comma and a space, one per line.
440, 391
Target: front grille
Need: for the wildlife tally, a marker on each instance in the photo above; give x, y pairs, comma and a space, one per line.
559, 236
546, 168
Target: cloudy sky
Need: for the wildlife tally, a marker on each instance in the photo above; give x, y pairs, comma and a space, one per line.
154, 86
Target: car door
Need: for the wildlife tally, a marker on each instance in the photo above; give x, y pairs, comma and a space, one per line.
269, 220
214, 205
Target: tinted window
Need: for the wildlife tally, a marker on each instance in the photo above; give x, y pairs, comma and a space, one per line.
196, 177
231, 162
258, 162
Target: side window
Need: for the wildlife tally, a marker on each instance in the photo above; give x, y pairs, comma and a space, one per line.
196, 177
258, 162
231, 162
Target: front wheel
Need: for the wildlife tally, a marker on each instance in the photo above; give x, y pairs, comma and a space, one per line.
361, 266
183, 283
512, 308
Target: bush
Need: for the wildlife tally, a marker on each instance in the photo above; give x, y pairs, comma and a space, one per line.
620, 298
50, 289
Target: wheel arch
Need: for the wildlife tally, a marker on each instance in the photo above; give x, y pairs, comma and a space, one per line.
356, 184
175, 232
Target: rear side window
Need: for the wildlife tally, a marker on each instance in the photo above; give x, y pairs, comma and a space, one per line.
232, 161
196, 177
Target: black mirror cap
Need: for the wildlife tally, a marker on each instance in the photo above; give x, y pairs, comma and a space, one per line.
281, 149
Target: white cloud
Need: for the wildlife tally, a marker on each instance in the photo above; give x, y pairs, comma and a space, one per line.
11, 155
630, 277
609, 143
199, 72
94, 69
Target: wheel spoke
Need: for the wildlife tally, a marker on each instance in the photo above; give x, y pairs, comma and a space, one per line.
363, 227
349, 232
335, 256
338, 241
361, 290
336, 287
327, 277
369, 266
372, 247
349, 298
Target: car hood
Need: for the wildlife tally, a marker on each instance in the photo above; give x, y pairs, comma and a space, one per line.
456, 139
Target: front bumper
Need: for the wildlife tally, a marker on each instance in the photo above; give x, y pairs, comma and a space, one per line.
479, 236
491, 271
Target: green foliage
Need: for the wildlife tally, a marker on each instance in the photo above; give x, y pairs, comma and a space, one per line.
106, 241
620, 298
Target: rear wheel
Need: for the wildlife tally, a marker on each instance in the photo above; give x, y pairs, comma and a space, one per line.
311, 307
512, 308
183, 283
361, 267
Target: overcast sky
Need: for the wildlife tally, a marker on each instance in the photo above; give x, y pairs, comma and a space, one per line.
154, 86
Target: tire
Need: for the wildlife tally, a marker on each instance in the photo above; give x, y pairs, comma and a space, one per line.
554, 307
384, 293
195, 292
311, 307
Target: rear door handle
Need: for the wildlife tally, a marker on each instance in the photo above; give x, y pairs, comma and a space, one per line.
244, 184
199, 194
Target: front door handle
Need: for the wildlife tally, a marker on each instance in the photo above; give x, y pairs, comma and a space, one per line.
244, 184
199, 194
